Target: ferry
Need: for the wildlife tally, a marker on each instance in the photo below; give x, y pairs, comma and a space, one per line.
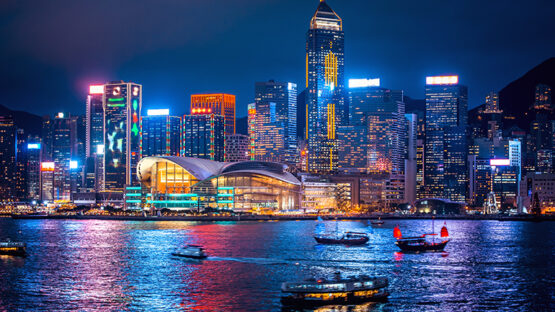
352, 290
191, 251
13, 248
377, 222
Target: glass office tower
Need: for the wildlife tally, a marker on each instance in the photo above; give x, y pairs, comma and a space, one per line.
204, 136
94, 165
276, 118
325, 87
160, 134
445, 154
219, 103
122, 108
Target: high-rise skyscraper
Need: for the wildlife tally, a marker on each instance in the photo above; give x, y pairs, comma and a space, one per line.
411, 157
276, 121
94, 163
381, 112
122, 109
204, 136
325, 87
160, 133
7, 158
60, 147
218, 103
446, 149
32, 152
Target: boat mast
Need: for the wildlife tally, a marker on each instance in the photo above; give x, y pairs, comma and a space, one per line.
433, 229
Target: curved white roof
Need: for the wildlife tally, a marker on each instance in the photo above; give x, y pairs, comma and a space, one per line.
203, 169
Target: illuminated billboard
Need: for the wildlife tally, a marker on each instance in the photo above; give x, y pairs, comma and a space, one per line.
499, 162
47, 166
364, 83
73, 164
98, 89
158, 112
442, 80
33, 146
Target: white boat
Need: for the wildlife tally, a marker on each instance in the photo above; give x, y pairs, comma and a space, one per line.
191, 251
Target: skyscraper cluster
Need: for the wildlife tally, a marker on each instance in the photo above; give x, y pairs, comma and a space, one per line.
355, 144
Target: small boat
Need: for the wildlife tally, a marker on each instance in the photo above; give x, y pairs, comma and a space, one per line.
352, 290
191, 251
420, 243
377, 222
348, 238
13, 248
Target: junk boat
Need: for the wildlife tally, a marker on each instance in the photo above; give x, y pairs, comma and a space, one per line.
420, 243
191, 251
13, 248
377, 222
352, 290
348, 238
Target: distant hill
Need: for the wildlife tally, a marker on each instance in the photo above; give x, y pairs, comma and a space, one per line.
32, 124
517, 97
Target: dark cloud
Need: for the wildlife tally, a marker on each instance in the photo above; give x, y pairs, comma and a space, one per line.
51, 50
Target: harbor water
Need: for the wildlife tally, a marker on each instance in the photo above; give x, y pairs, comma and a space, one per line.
101, 265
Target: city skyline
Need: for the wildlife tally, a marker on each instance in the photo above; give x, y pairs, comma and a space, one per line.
76, 67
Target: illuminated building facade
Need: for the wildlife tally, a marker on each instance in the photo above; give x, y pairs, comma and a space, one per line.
494, 167
411, 147
160, 134
445, 162
325, 103
33, 160
382, 113
352, 148
218, 103
60, 146
204, 135
94, 163
276, 120
237, 147
252, 130
20, 166
7, 158
194, 184
122, 109
47, 181
542, 184
542, 132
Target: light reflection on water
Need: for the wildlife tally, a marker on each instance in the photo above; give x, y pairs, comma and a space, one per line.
116, 265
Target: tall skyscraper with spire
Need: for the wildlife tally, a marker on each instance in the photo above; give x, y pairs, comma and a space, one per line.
325, 102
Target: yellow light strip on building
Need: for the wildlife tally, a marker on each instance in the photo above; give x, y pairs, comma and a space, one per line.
330, 69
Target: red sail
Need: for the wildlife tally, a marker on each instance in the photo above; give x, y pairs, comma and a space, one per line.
444, 232
397, 232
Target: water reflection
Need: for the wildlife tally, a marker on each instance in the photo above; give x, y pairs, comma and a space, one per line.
114, 266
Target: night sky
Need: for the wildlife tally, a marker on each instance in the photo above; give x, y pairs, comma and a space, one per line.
52, 50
